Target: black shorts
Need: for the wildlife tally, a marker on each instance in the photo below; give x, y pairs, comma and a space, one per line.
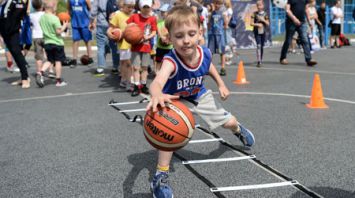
335, 31
160, 54
54, 53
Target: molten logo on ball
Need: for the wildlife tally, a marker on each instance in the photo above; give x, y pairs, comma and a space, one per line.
159, 132
167, 117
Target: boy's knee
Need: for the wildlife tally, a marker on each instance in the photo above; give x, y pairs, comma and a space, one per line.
231, 123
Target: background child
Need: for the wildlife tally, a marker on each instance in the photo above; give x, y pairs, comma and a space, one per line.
53, 43
189, 62
216, 38
260, 20
118, 20
163, 44
141, 52
80, 19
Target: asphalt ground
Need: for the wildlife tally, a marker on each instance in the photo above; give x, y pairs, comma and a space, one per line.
68, 142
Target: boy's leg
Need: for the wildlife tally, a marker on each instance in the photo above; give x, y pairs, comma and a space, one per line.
159, 185
136, 62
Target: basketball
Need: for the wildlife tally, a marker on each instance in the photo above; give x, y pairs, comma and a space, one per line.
170, 128
84, 59
64, 16
133, 34
117, 34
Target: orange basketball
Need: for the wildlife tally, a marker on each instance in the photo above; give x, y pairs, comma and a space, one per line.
64, 16
133, 34
170, 128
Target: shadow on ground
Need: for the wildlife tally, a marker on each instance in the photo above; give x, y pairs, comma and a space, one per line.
328, 192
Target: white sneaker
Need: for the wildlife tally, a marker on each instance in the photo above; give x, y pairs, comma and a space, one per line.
13, 69
61, 84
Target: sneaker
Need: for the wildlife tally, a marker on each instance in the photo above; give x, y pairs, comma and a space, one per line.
245, 136
123, 83
222, 72
145, 89
160, 187
73, 63
258, 64
61, 84
40, 80
129, 87
135, 91
114, 71
99, 72
51, 75
311, 63
13, 69
67, 62
284, 62
90, 61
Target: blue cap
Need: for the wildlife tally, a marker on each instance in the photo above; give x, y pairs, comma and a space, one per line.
164, 8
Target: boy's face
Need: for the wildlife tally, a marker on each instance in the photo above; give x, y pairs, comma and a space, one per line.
260, 6
127, 8
185, 38
146, 10
322, 5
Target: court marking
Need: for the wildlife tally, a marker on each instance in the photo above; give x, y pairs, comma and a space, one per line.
216, 93
218, 160
205, 140
254, 186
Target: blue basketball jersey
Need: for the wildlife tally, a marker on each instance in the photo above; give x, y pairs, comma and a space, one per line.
217, 22
80, 15
187, 81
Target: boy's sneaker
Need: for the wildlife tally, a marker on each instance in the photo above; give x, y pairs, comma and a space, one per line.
99, 72
39, 80
135, 91
145, 89
51, 75
129, 87
123, 84
160, 186
73, 63
61, 84
222, 72
245, 136
114, 71
258, 64
13, 69
90, 61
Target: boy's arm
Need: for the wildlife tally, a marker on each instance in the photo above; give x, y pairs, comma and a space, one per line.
156, 87
223, 90
62, 28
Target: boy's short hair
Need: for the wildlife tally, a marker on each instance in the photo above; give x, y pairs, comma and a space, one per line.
179, 15
49, 4
37, 4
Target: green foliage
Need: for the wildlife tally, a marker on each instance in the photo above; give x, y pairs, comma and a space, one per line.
62, 6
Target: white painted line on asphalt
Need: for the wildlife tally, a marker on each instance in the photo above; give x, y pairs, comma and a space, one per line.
137, 120
218, 160
127, 103
206, 140
233, 93
256, 186
297, 70
132, 110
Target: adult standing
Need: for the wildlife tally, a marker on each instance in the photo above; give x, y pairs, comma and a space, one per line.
99, 20
336, 16
321, 27
296, 21
11, 15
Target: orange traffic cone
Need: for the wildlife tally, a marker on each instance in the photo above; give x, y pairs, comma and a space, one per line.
317, 101
241, 79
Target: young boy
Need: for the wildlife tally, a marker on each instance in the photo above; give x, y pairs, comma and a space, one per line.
216, 40
118, 20
53, 43
141, 52
80, 19
181, 75
163, 45
260, 20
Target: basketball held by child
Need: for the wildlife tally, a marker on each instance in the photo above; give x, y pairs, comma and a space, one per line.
170, 128
133, 34
63, 16
85, 59
116, 34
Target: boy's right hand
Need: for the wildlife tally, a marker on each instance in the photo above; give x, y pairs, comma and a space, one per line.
160, 100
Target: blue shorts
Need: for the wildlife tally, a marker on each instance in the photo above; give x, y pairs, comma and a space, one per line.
81, 34
216, 43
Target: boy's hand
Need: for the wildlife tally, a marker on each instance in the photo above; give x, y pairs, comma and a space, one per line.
224, 92
160, 100
65, 24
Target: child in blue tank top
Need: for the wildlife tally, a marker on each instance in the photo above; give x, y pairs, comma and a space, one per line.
80, 19
182, 75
